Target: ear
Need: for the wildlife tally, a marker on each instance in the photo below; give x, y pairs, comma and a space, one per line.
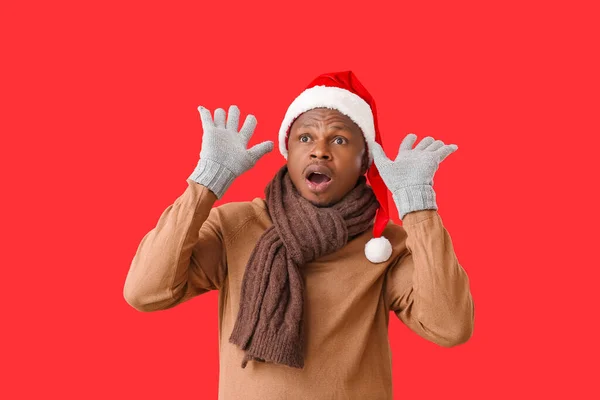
365, 160
365, 163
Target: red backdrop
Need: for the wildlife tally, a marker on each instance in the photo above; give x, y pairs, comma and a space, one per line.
100, 130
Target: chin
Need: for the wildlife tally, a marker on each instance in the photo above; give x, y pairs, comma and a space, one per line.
320, 202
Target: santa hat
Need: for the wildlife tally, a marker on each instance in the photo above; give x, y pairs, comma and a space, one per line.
343, 92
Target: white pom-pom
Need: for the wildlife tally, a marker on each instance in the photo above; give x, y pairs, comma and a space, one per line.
378, 250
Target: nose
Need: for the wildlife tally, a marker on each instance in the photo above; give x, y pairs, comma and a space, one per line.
320, 150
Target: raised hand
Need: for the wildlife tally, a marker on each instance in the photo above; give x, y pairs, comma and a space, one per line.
410, 176
224, 155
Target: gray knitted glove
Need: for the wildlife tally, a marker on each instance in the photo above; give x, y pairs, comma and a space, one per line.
410, 176
224, 156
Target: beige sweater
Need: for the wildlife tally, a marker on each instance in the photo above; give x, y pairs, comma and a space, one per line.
196, 247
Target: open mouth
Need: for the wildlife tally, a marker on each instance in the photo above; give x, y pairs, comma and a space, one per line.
318, 182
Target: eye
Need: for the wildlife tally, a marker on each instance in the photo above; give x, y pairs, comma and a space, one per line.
302, 137
343, 139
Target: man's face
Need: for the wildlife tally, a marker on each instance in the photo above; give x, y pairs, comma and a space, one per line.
330, 140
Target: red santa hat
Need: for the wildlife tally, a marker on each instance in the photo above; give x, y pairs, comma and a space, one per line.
343, 92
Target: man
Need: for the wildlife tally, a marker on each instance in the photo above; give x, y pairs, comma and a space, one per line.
305, 288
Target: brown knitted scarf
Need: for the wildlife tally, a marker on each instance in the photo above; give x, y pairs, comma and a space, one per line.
269, 325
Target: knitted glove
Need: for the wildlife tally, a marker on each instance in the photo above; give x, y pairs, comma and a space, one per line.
224, 156
410, 176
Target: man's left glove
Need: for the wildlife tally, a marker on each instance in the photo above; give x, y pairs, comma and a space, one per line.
410, 176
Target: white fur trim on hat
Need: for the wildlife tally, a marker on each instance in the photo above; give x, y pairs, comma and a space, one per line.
346, 102
378, 250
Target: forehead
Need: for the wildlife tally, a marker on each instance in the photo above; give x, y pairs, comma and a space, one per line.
325, 115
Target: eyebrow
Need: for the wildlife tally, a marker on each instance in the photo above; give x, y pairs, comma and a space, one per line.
343, 126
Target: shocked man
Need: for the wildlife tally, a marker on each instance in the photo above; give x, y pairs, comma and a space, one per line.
307, 276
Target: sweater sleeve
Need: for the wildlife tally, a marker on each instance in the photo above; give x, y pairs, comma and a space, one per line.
426, 287
182, 257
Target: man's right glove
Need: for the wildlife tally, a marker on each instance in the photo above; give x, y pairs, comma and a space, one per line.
224, 156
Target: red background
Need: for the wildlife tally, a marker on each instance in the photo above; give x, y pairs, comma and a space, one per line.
100, 130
